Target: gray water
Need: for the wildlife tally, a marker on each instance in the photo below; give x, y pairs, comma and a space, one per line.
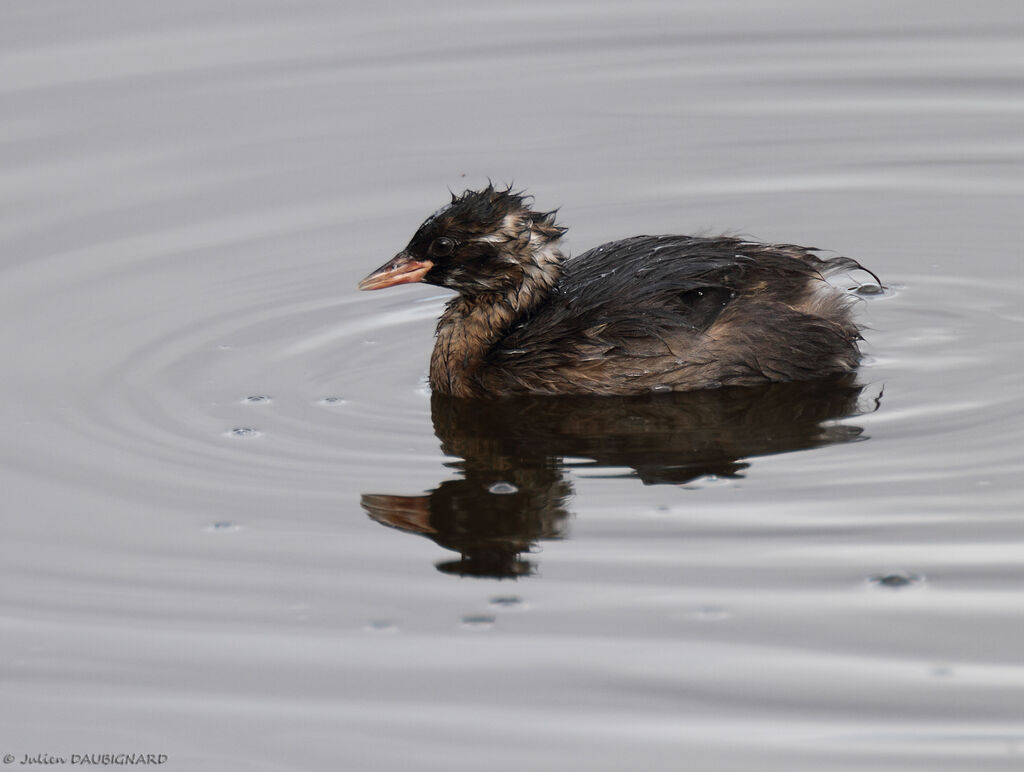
238, 532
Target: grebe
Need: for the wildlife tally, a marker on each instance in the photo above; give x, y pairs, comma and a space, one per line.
647, 313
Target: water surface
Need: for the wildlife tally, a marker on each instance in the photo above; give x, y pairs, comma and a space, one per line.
238, 529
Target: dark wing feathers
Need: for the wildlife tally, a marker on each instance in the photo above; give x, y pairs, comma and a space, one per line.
700, 311
647, 287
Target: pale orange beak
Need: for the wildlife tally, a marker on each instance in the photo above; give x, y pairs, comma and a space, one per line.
401, 269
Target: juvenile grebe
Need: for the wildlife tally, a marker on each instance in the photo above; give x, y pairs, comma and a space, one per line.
645, 313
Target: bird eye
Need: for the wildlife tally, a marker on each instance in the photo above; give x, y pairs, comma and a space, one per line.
442, 246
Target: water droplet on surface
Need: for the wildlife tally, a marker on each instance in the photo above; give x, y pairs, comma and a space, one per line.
244, 431
478, 622
896, 580
221, 526
506, 601
332, 401
381, 626
503, 488
256, 399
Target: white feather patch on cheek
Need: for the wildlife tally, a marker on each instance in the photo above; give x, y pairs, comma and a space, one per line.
508, 230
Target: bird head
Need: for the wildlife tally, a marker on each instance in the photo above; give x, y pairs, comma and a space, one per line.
483, 241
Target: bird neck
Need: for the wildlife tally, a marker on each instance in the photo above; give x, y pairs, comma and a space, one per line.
472, 325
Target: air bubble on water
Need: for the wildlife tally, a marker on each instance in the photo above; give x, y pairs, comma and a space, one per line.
710, 481
381, 626
869, 289
503, 488
222, 526
332, 401
896, 580
244, 431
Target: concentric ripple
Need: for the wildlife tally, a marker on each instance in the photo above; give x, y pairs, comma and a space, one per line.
288, 395
224, 500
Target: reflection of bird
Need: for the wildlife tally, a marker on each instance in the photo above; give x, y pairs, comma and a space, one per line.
646, 313
659, 438
489, 516
514, 488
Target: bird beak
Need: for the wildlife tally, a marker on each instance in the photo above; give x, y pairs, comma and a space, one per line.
401, 269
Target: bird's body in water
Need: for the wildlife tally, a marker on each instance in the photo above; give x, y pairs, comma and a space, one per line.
647, 313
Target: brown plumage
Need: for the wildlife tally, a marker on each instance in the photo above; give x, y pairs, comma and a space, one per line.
645, 313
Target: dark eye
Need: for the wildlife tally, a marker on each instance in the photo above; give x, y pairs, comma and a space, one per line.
442, 246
